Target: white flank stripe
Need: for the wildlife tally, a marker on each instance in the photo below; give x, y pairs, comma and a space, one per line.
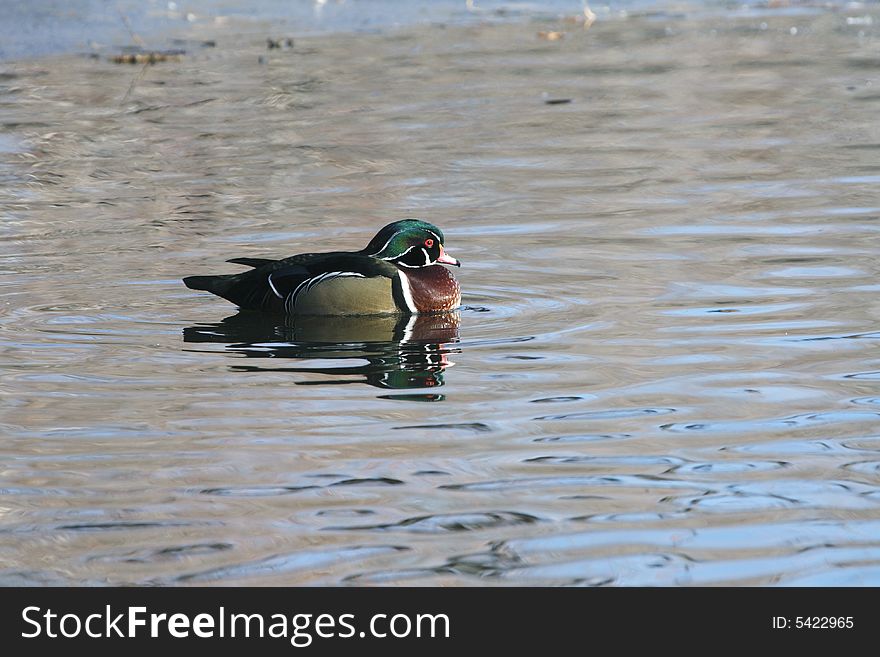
407, 292
272, 285
291, 300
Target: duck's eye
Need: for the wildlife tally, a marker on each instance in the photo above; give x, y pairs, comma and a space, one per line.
429, 242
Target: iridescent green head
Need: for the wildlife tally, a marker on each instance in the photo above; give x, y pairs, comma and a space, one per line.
410, 243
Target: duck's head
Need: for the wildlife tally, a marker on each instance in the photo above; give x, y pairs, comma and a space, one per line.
410, 243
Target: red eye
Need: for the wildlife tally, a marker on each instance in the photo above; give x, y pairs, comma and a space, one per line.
429, 242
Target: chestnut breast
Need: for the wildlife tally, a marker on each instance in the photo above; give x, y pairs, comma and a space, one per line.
434, 289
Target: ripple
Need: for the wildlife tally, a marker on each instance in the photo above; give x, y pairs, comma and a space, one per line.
28, 577
478, 427
772, 569
754, 309
646, 459
482, 564
638, 481
611, 414
256, 491
631, 517
736, 327
793, 536
759, 425
163, 554
864, 467
732, 229
795, 447
390, 576
648, 569
737, 501
867, 401
871, 335
124, 525
368, 481
30, 491
784, 494
273, 491
815, 272
724, 467
287, 563
870, 376
451, 522
744, 293
345, 513
582, 438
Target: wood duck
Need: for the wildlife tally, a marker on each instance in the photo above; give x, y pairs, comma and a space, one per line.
397, 272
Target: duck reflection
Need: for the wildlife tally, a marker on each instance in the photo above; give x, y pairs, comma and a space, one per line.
400, 352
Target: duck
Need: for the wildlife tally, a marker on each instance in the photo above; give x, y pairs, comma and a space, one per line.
400, 271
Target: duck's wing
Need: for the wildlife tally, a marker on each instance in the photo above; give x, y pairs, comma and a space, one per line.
275, 285
317, 281
249, 290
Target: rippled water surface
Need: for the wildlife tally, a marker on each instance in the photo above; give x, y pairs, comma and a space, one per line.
666, 371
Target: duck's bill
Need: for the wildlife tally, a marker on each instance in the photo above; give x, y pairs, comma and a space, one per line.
447, 259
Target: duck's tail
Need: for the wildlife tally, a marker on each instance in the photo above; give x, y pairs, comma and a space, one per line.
224, 285
248, 290
218, 285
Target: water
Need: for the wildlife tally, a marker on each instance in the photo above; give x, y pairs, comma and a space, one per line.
665, 371
38, 27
